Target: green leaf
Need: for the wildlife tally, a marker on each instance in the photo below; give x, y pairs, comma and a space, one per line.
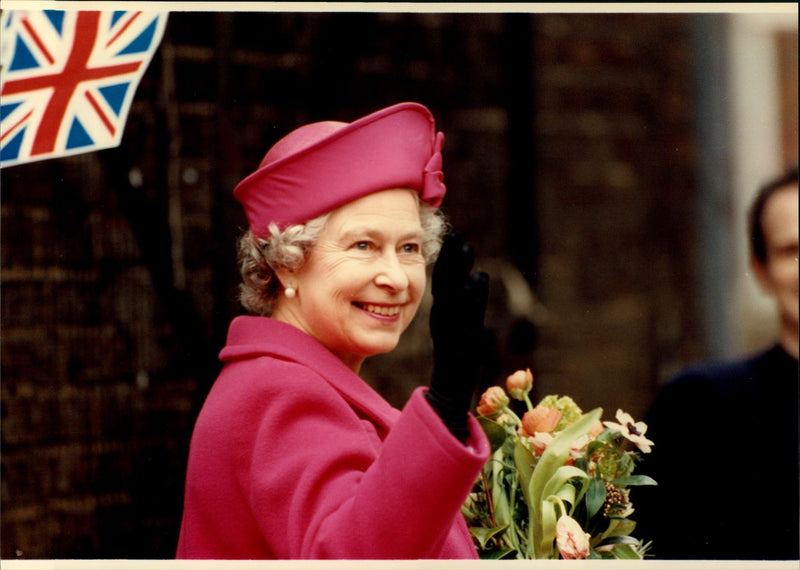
595, 496
561, 476
619, 527
563, 486
495, 433
524, 460
616, 528
548, 530
498, 554
596, 445
626, 551
608, 436
566, 493
558, 450
624, 539
483, 535
502, 509
554, 456
634, 480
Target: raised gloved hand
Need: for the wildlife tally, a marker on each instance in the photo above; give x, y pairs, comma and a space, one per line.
459, 305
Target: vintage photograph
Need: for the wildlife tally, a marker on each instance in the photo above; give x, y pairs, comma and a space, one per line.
382, 281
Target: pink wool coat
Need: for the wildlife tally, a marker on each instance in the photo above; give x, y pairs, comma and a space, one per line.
294, 456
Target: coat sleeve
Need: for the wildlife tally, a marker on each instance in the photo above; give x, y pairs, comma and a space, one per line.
321, 484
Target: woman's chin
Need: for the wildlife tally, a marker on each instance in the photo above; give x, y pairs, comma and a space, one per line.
380, 347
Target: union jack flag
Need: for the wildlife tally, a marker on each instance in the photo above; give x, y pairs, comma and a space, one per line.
68, 79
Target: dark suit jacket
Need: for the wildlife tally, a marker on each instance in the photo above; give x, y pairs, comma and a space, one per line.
726, 462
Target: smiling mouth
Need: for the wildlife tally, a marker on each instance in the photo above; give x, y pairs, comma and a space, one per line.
381, 310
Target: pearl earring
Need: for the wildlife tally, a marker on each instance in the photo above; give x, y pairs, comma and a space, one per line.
290, 292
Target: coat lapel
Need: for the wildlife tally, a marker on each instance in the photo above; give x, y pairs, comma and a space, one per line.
250, 337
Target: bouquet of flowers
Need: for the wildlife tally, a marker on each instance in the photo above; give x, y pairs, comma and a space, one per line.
558, 481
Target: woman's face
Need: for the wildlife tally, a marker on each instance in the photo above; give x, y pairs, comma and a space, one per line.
363, 279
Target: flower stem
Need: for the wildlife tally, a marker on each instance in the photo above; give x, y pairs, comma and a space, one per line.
488, 493
513, 416
528, 403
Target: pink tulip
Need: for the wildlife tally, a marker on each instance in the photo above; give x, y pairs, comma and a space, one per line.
571, 540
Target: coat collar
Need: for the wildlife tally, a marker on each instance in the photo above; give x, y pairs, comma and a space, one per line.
252, 337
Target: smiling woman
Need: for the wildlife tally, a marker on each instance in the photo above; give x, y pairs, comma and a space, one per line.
293, 455
363, 280
286, 249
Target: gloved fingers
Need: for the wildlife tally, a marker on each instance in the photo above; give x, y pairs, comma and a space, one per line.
453, 265
473, 299
459, 314
478, 290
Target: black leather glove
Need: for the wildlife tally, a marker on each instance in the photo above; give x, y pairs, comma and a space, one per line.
459, 305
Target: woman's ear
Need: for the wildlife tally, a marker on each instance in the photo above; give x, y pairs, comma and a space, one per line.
286, 277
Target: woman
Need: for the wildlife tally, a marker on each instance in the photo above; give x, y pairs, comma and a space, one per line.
293, 455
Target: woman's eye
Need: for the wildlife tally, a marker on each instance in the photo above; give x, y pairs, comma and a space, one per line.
361, 245
411, 248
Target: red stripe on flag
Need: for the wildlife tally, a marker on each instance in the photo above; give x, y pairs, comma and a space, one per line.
37, 40
100, 113
122, 30
18, 123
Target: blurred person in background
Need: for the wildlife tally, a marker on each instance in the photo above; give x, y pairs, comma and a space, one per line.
726, 433
293, 455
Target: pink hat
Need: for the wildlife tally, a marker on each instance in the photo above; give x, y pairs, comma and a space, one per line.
319, 167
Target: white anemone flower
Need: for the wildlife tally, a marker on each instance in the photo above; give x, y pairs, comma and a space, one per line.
631, 430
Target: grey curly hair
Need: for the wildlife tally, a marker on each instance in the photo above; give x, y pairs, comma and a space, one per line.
288, 249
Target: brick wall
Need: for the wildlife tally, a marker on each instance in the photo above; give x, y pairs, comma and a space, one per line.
616, 181
568, 158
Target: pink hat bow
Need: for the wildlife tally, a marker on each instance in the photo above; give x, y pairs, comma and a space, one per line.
433, 188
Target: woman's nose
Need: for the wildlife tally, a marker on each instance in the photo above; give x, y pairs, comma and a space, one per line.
391, 273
